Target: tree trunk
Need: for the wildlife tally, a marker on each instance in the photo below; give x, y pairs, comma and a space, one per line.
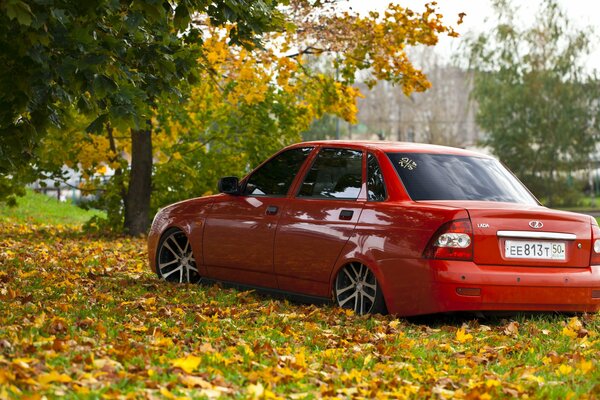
137, 206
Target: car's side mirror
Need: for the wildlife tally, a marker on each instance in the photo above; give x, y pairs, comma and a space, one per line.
229, 185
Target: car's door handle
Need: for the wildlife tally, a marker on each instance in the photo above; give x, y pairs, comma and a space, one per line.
272, 210
346, 215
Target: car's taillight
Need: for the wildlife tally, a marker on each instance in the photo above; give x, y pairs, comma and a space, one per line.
595, 258
453, 241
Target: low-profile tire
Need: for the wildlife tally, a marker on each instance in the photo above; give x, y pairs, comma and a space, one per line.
174, 258
356, 288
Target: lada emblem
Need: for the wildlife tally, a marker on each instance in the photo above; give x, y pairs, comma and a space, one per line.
536, 224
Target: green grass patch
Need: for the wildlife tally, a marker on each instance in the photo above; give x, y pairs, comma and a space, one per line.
41, 209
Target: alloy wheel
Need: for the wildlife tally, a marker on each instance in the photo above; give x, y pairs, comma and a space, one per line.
356, 289
175, 261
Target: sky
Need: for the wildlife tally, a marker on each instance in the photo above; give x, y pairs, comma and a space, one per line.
583, 13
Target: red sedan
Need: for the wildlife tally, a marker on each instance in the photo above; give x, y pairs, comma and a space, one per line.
383, 226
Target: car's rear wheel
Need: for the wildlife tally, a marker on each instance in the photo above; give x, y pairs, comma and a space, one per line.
356, 288
175, 261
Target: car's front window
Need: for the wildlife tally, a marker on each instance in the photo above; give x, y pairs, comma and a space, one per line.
454, 177
275, 177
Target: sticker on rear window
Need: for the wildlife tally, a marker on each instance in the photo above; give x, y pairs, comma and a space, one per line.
407, 163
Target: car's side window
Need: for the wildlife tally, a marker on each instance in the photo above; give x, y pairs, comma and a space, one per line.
275, 177
335, 174
375, 184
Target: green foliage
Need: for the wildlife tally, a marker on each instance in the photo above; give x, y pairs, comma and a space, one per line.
322, 128
212, 137
111, 60
539, 109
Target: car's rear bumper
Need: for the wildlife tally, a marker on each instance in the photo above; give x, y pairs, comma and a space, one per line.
465, 286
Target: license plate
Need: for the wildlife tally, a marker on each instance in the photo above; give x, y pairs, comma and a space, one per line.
534, 250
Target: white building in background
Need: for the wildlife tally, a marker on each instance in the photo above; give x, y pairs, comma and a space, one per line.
68, 189
444, 114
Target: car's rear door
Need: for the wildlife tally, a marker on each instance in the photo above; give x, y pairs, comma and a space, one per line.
319, 220
240, 229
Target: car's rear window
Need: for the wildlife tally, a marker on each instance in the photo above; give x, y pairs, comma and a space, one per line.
452, 177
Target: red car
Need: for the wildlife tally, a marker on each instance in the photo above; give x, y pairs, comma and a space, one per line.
383, 226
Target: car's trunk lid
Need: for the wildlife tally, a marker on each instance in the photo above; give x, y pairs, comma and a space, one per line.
516, 234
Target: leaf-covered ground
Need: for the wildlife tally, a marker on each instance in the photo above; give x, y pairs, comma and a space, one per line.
82, 317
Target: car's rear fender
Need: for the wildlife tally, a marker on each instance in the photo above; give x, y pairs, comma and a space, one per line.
390, 239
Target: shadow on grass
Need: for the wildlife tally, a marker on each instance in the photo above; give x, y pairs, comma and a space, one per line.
490, 318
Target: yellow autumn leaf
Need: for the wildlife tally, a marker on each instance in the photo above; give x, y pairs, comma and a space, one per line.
569, 332
564, 369
82, 390
150, 300
255, 391
492, 383
575, 324
585, 366
462, 336
53, 376
6, 376
300, 360
188, 363
163, 342
165, 392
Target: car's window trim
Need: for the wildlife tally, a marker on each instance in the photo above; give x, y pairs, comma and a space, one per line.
385, 189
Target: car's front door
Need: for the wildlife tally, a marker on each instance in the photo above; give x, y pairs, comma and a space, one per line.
319, 220
240, 229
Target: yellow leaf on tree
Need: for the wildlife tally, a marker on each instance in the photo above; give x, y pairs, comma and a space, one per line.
188, 363
102, 170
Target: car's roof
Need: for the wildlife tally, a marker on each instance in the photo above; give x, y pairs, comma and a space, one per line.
397, 147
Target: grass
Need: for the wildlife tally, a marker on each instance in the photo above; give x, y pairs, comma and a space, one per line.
82, 317
41, 209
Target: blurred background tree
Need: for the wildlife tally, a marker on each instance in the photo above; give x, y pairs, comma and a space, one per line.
538, 106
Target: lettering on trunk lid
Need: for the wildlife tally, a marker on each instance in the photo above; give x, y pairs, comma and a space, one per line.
483, 225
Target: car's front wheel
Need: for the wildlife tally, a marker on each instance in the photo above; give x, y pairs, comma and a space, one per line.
175, 261
356, 288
